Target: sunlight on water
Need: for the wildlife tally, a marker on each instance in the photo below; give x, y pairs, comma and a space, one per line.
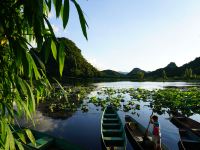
144, 85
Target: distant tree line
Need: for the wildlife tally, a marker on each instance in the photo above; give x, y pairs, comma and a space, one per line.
77, 66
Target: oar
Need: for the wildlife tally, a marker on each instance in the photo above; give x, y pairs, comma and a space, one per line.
146, 132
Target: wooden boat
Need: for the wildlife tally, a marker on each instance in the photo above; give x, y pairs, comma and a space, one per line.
135, 132
182, 121
48, 142
188, 140
112, 132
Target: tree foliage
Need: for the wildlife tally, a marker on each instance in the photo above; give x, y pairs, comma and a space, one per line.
164, 75
23, 80
173, 71
140, 75
188, 73
75, 64
189, 70
111, 74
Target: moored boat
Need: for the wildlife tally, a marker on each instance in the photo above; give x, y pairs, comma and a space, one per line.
112, 132
188, 140
181, 121
135, 132
45, 141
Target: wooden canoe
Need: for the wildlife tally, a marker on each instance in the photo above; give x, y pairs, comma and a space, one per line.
188, 140
112, 132
47, 142
181, 121
135, 132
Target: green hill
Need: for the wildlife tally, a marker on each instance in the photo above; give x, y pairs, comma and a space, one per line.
75, 64
194, 65
111, 74
172, 71
134, 73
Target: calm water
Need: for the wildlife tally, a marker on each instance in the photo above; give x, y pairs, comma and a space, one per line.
84, 128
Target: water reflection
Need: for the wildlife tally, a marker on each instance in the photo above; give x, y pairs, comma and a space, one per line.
84, 128
144, 85
42, 123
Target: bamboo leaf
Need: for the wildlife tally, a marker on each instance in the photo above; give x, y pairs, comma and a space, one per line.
19, 106
54, 3
9, 109
20, 103
57, 5
18, 56
46, 82
21, 84
29, 62
66, 10
28, 114
38, 60
45, 8
61, 11
26, 66
31, 97
33, 66
49, 4
19, 144
21, 136
3, 111
3, 129
1, 143
10, 142
53, 49
63, 91
81, 18
61, 54
38, 96
50, 27
46, 48
30, 136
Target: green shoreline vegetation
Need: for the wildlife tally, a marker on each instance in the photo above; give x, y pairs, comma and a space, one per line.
61, 104
183, 99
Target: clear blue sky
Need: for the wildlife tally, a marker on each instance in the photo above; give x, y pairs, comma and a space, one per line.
124, 34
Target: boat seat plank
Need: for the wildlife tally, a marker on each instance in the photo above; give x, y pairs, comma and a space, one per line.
110, 115
138, 138
41, 142
112, 130
110, 119
111, 124
113, 138
198, 129
180, 117
115, 148
190, 141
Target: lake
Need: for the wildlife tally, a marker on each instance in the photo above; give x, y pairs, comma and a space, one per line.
83, 128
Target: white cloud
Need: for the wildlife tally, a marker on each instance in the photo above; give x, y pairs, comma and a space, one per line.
93, 61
